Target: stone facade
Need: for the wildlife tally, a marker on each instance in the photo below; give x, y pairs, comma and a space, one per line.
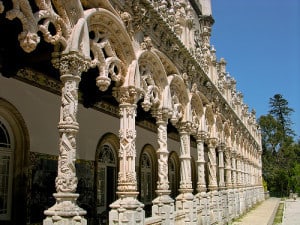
157, 75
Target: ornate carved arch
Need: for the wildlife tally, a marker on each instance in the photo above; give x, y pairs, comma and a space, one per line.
169, 66
227, 131
196, 106
111, 49
153, 81
180, 99
219, 126
209, 118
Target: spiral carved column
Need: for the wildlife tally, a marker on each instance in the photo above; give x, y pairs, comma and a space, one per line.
163, 205
66, 211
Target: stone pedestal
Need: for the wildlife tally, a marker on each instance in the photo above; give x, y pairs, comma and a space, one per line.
186, 203
214, 207
65, 211
127, 210
163, 206
203, 202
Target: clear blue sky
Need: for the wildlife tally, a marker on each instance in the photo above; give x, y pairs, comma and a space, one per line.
260, 40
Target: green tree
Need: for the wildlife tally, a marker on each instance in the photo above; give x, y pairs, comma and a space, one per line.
282, 112
281, 155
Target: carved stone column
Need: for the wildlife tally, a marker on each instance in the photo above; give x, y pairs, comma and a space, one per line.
163, 205
228, 181
66, 211
221, 166
127, 209
201, 184
238, 170
233, 170
212, 164
185, 200
202, 198
234, 184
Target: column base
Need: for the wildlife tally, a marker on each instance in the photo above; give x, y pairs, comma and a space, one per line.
185, 202
65, 211
163, 206
127, 210
214, 207
203, 199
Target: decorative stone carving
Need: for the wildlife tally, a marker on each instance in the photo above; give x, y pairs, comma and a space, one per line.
106, 60
201, 184
212, 164
151, 91
177, 109
163, 205
61, 14
221, 166
66, 210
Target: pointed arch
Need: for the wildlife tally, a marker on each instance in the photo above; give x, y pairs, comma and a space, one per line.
219, 126
153, 76
197, 109
169, 66
111, 48
180, 99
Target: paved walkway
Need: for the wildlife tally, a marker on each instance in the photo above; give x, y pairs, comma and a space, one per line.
263, 214
291, 214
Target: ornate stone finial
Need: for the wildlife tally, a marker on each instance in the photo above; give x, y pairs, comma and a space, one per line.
222, 65
147, 44
127, 19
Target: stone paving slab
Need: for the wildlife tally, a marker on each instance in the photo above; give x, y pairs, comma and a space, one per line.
291, 213
263, 214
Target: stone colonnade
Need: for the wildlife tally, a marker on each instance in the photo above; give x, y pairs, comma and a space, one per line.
177, 79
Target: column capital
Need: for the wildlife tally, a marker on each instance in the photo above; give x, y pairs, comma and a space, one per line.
161, 115
212, 142
127, 95
201, 136
72, 63
185, 127
221, 147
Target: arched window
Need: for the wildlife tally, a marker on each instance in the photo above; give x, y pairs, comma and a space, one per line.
147, 178
106, 180
173, 175
194, 175
6, 170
